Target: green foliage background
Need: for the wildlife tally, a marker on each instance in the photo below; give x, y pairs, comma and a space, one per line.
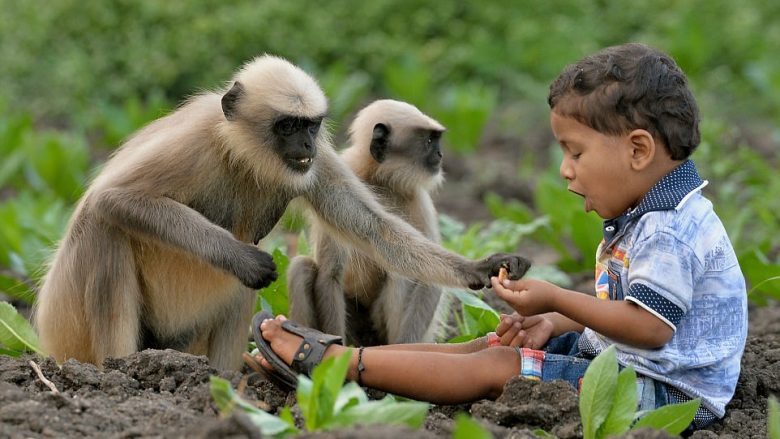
77, 77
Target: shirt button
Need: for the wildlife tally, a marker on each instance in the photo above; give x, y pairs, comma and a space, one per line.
609, 228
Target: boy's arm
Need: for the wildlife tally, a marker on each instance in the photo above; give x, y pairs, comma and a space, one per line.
619, 320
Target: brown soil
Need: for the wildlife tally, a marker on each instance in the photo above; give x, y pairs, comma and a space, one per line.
166, 394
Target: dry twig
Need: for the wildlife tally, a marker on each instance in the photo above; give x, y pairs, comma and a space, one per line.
48, 383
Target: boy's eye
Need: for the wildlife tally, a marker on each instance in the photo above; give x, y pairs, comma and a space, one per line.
576, 156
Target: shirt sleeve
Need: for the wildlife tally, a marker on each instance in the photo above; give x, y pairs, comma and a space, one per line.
661, 276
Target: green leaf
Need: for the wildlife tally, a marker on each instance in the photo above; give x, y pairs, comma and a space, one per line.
286, 415
478, 318
275, 295
351, 394
332, 376
598, 391
16, 333
385, 411
307, 400
467, 428
228, 400
472, 300
773, 418
462, 338
10, 352
16, 289
10, 166
621, 415
673, 418
317, 396
541, 433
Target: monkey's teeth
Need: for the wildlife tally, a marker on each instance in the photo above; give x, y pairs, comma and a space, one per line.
305, 160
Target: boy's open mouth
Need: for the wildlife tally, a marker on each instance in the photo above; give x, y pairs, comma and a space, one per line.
588, 207
576, 193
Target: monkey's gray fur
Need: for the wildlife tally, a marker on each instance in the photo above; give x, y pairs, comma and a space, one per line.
159, 253
394, 148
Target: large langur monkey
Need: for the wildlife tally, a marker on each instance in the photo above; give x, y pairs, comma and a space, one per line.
394, 148
159, 251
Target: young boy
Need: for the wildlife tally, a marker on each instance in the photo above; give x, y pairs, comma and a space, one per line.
669, 292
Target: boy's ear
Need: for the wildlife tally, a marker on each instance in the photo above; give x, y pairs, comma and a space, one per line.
643, 149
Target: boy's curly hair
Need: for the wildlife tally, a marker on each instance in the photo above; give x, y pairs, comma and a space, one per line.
627, 87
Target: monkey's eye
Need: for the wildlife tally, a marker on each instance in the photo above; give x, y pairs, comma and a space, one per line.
314, 126
287, 126
433, 137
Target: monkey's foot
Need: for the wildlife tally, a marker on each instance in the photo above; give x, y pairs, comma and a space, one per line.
290, 349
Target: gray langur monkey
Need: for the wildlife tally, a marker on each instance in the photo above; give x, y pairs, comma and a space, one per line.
159, 251
394, 149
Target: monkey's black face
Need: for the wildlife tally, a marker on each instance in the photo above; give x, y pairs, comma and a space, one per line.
432, 151
295, 141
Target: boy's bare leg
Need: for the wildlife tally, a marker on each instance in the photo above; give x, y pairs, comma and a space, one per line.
438, 377
446, 348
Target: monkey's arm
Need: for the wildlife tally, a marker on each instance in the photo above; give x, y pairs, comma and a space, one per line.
175, 224
347, 208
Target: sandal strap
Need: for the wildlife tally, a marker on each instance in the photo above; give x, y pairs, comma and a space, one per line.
311, 349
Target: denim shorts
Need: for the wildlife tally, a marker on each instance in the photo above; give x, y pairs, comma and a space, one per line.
561, 359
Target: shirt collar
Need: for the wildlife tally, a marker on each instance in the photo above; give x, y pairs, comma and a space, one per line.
670, 192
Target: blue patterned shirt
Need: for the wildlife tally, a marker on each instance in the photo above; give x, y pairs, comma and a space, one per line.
671, 256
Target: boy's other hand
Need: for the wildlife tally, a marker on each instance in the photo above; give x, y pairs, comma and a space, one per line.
527, 332
527, 296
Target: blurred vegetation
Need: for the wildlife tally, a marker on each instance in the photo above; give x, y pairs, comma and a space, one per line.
80, 76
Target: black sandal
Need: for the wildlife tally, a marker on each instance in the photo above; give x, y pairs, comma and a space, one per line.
308, 355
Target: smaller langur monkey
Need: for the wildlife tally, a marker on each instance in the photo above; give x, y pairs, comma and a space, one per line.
394, 149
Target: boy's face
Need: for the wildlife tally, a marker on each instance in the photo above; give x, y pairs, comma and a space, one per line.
596, 166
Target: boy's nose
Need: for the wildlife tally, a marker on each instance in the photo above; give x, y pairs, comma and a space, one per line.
565, 170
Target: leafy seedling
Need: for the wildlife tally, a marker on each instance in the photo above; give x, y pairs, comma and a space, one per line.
325, 403
16, 334
608, 401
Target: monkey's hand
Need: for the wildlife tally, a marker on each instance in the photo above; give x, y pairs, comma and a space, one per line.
257, 269
515, 265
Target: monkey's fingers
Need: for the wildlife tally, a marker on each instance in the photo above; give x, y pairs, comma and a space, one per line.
517, 266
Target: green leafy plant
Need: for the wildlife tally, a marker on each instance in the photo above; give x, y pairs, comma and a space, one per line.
608, 401
465, 110
29, 225
773, 418
116, 122
228, 400
479, 239
410, 80
16, 334
273, 298
326, 403
467, 428
476, 318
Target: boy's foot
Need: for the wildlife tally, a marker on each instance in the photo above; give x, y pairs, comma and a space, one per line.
286, 345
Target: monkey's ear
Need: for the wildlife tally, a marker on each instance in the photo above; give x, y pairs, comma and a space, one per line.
380, 141
230, 101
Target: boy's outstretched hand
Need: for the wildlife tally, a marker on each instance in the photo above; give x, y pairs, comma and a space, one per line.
527, 332
527, 296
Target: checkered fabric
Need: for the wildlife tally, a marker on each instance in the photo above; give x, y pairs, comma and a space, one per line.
531, 362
